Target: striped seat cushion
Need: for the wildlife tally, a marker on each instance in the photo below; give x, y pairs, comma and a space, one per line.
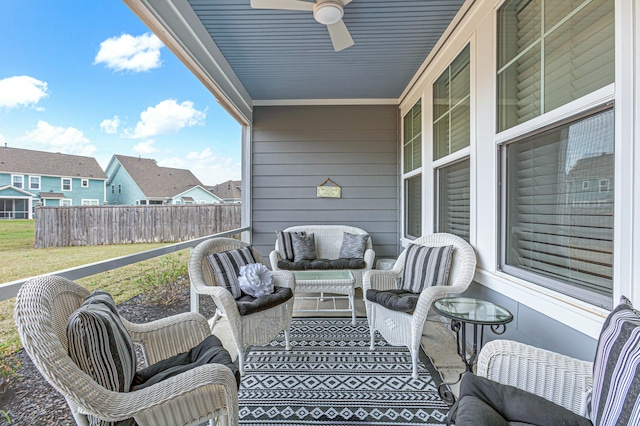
226, 268
425, 267
100, 345
615, 398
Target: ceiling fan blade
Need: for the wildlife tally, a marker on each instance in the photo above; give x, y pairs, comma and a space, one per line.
346, 2
340, 36
282, 4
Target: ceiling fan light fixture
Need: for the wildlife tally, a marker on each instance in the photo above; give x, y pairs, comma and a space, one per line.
328, 12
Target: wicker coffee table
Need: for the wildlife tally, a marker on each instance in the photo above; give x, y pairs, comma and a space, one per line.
326, 282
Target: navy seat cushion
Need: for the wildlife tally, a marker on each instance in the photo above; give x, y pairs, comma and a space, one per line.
301, 265
396, 299
248, 304
209, 351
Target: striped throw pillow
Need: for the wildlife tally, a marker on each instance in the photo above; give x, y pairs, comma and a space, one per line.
100, 345
425, 267
285, 245
226, 268
615, 398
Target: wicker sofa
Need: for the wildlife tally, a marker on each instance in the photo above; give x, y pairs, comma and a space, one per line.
328, 239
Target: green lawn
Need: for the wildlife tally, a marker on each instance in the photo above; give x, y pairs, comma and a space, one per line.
20, 260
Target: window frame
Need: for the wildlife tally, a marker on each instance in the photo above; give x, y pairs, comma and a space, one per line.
414, 173
564, 289
90, 202
62, 186
14, 178
84, 183
34, 187
66, 202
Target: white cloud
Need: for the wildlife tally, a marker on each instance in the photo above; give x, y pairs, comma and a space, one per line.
166, 118
57, 139
22, 91
130, 53
110, 125
207, 167
145, 147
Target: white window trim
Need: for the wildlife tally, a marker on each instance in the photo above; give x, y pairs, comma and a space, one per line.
64, 200
90, 202
70, 184
39, 182
413, 173
84, 183
21, 178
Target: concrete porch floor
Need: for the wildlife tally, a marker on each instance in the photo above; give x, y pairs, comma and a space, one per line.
439, 342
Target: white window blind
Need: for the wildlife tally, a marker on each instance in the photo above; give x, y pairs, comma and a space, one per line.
413, 206
453, 198
550, 53
558, 230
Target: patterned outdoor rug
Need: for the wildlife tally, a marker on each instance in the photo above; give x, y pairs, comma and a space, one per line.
330, 377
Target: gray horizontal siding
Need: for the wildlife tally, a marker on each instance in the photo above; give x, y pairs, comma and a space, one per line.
294, 149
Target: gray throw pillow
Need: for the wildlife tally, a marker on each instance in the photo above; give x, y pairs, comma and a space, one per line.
353, 245
426, 267
304, 247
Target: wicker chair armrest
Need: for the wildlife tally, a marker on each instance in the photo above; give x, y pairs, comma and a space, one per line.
558, 378
167, 402
284, 279
380, 279
274, 257
169, 336
369, 257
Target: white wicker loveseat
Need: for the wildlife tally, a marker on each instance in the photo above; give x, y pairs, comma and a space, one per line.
328, 240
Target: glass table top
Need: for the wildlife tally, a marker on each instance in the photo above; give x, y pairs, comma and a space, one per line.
472, 310
322, 275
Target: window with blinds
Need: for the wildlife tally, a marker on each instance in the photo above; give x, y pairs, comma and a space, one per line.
558, 213
551, 52
412, 127
451, 113
453, 198
413, 206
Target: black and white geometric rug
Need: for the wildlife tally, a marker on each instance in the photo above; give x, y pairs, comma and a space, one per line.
330, 377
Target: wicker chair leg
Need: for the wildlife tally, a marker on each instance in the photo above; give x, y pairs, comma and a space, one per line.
286, 339
414, 360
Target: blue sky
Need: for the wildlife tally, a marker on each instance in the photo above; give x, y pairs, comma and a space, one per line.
88, 78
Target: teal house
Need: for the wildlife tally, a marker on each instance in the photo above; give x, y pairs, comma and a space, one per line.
31, 178
140, 181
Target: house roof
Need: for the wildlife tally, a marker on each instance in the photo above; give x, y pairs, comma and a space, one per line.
155, 181
251, 56
230, 189
41, 163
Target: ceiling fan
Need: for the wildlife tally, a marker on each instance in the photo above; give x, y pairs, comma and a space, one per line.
325, 12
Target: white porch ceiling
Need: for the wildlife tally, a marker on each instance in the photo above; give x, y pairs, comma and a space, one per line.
286, 55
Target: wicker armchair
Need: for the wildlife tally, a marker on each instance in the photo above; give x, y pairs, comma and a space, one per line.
255, 329
406, 329
555, 377
42, 309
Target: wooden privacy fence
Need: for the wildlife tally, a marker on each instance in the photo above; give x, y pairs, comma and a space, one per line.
96, 225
